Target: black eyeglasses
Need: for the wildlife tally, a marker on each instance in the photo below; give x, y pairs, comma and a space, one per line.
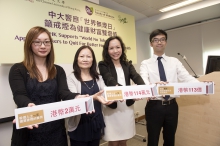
162, 40
39, 43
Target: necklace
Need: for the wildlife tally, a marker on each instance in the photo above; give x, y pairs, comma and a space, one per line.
88, 86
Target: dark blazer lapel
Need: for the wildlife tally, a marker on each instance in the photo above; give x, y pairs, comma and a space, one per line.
113, 71
125, 70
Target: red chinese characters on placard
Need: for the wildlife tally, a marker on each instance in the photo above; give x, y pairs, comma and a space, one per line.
60, 112
53, 113
64, 111
189, 90
135, 93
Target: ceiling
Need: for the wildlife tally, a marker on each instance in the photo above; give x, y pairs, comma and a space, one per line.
148, 17
147, 7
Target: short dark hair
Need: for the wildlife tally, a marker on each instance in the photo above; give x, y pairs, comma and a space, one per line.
106, 57
157, 32
93, 69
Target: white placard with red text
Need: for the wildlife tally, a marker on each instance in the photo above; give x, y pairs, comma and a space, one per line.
186, 88
52, 111
129, 92
144, 91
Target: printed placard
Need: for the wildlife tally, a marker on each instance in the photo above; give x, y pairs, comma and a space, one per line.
166, 90
129, 92
144, 91
186, 88
52, 111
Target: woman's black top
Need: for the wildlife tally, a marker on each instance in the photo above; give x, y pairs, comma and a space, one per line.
51, 133
91, 126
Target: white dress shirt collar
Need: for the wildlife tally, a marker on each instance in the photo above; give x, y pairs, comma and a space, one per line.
155, 57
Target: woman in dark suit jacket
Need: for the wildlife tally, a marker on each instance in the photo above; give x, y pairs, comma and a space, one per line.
35, 81
116, 70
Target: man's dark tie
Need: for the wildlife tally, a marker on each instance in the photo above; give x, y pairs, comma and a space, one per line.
162, 74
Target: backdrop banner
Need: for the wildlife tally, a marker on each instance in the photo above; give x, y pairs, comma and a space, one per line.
72, 23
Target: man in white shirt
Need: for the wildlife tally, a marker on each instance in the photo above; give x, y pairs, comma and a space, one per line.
162, 112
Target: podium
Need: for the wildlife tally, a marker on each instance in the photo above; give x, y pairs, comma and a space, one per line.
199, 117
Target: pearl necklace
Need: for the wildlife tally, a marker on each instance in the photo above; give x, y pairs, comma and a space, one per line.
88, 86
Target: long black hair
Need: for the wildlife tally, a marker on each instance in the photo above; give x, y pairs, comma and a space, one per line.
93, 69
105, 56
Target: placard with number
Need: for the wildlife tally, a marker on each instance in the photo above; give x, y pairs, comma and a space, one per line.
186, 88
52, 111
129, 92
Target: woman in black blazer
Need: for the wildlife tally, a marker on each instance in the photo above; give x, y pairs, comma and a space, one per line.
116, 70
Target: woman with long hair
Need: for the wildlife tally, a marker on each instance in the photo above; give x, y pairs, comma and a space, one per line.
37, 80
116, 70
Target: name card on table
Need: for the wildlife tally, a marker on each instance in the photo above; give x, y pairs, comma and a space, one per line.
186, 88
52, 111
129, 92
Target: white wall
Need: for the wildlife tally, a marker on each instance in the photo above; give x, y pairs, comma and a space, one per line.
5, 134
187, 41
143, 48
7, 104
196, 42
210, 39
143, 52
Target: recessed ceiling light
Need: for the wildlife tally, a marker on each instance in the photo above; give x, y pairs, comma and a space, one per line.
178, 5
